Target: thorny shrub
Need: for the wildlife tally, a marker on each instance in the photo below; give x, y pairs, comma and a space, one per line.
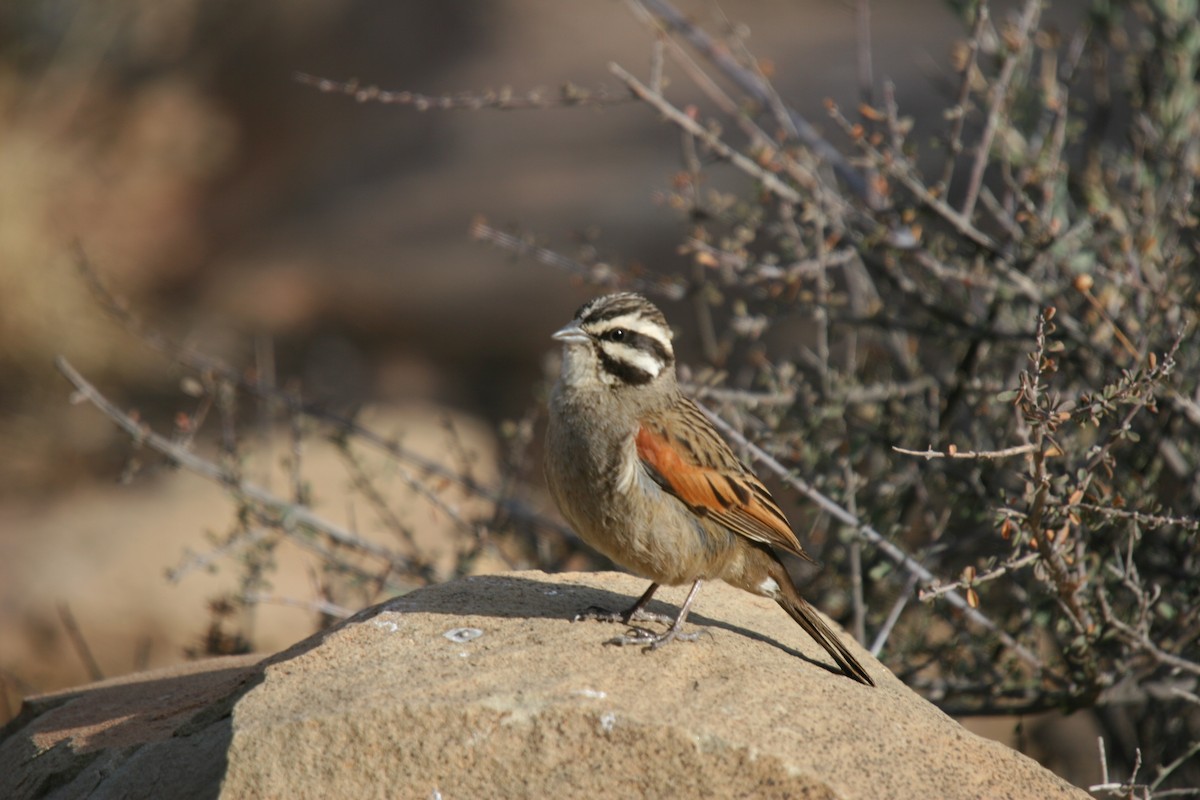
1013, 303
978, 347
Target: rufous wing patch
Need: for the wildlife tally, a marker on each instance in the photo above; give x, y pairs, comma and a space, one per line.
736, 500
685, 480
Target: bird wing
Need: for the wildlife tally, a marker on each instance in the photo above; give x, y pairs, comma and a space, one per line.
684, 455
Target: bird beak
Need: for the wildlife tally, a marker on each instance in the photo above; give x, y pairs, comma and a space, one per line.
570, 334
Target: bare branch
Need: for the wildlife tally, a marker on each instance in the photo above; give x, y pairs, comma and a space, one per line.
711, 140
603, 275
1008, 452
954, 144
290, 514
318, 606
754, 86
197, 561
885, 630
888, 548
75, 635
997, 102
934, 592
903, 171
1143, 519
568, 95
208, 365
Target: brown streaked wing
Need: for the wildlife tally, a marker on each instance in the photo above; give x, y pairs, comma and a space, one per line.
685, 456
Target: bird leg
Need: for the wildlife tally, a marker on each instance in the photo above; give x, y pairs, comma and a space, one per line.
653, 641
635, 613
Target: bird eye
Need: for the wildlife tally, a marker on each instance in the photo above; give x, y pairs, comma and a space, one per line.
615, 335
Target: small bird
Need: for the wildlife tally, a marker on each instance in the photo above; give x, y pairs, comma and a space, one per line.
644, 477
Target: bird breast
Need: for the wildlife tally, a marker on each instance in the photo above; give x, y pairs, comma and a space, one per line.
611, 500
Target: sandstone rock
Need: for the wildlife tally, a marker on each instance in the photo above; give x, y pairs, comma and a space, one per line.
483, 688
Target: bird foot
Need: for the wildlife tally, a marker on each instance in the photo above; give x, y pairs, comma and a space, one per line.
652, 640
623, 617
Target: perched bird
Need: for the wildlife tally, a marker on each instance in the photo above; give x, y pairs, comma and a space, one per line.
644, 477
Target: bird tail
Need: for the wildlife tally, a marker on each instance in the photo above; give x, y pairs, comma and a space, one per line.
806, 617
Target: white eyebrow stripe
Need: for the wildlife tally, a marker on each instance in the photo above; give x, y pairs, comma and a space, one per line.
634, 322
646, 362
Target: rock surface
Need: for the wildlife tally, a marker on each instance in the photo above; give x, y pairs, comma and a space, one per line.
483, 688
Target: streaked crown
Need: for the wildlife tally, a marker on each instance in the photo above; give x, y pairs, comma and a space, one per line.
628, 334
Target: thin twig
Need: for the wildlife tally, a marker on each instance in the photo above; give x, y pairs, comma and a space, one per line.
79, 643
764, 146
959, 109
857, 600
1143, 519
711, 140
885, 631
862, 48
1011, 566
1007, 452
290, 513
997, 101
754, 86
568, 95
755, 272
1141, 640
264, 376
656, 65
207, 365
597, 274
319, 606
889, 549
902, 170
879, 392
744, 397
1165, 771
1116, 327
204, 560
363, 482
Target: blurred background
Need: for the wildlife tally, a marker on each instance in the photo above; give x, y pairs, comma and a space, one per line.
235, 209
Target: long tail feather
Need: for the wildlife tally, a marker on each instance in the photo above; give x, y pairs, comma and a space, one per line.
806, 617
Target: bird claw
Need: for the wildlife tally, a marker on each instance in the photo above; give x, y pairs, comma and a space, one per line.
652, 640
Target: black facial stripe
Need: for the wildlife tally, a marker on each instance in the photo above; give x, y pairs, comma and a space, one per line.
648, 344
614, 305
635, 376
612, 310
